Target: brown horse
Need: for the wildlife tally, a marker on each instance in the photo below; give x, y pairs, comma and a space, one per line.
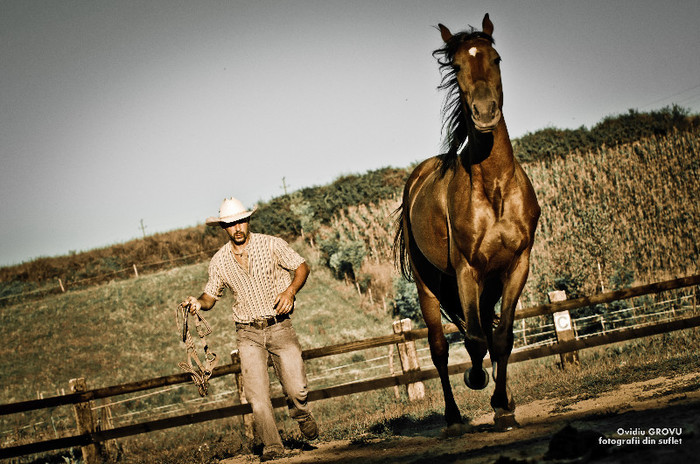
467, 223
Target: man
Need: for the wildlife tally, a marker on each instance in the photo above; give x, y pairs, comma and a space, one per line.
256, 269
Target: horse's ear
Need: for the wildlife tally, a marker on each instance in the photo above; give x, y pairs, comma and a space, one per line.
487, 25
445, 33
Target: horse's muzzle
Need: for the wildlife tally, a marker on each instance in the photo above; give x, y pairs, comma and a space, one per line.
486, 115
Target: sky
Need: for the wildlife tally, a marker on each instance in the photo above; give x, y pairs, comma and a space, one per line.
117, 114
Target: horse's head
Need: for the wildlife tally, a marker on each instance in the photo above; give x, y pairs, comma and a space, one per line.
473, 64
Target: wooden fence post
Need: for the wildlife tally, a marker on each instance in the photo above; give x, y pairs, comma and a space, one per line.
92, 453
247, 419
391, 370
409, 360
106, 422
563, 329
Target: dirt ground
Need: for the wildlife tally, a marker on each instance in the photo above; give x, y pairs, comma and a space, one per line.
655, 421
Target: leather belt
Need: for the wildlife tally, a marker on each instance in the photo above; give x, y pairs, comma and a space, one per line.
265, 322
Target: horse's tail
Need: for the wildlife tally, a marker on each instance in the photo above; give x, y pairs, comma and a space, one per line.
401, 255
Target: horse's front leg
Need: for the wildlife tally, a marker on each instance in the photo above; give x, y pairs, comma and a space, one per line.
476, 378
502, 343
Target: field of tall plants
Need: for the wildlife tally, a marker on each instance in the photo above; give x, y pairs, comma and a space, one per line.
610, 219
618, 216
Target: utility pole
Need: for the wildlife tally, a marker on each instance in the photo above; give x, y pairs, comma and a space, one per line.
143, 229
284, 185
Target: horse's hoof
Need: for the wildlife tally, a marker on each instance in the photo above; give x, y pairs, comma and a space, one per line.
479, 385
504, 420
456, 430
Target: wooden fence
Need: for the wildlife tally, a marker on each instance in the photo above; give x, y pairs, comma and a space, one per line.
88, 437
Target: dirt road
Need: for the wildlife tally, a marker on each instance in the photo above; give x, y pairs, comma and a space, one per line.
655, 421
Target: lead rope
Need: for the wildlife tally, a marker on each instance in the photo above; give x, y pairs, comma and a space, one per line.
201, 374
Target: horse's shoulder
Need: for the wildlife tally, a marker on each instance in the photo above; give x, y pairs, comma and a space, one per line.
428, 165
423, 171
523, 195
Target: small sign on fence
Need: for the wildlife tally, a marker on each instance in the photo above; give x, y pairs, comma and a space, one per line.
563, 329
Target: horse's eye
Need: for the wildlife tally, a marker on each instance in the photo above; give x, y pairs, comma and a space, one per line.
497, 61
456, 68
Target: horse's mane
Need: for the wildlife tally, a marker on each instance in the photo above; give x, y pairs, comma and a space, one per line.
455, 119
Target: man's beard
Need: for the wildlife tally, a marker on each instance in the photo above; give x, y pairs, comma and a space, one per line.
239, 238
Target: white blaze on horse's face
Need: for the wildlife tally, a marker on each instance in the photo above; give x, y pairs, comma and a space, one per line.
479, 76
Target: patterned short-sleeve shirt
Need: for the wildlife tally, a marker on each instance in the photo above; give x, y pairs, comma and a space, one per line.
254, 290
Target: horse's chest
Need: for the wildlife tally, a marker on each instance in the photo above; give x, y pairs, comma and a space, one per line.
486, 240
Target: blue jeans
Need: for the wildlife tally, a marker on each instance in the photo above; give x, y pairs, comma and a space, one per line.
280, 342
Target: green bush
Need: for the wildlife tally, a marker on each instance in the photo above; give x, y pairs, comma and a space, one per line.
344, 257
406, 303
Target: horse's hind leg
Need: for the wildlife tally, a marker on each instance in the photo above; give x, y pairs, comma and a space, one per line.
439, 352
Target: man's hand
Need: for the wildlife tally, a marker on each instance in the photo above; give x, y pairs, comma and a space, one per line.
284, 303
192, 303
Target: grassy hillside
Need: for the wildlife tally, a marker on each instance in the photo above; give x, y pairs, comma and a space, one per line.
126, 330
40, 277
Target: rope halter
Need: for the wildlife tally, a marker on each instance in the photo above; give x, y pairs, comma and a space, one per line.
202, 372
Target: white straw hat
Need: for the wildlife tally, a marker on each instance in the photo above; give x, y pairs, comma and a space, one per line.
231, 210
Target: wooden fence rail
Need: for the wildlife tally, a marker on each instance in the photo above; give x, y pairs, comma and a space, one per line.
608, 297
349, 388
